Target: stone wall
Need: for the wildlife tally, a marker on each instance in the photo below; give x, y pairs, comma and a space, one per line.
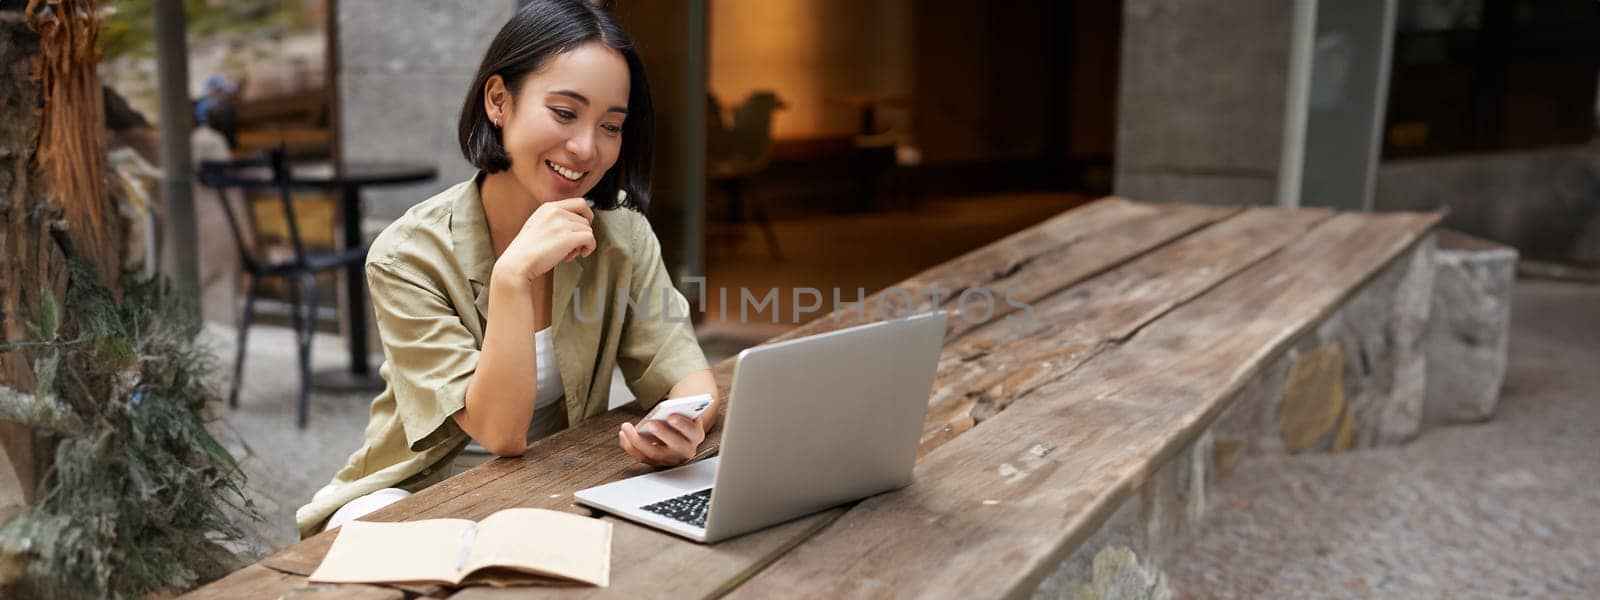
404, 70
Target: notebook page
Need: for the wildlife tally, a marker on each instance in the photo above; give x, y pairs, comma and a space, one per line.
546, 542
417, 551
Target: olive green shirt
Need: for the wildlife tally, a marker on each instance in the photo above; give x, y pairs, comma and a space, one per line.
429, 276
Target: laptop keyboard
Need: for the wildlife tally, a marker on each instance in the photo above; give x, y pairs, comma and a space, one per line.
689, 508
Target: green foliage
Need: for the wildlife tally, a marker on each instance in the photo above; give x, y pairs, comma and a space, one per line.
140, 496
49, 317
129, 25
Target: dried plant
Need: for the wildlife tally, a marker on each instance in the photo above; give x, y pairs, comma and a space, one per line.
141, 498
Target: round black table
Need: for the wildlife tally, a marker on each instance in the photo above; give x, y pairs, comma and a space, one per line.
348, 185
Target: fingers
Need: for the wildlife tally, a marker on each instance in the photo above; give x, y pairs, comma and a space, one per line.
691, 431
627, 446
651, 454
576, 206
669, 435
662, 456
571, 218
581, 242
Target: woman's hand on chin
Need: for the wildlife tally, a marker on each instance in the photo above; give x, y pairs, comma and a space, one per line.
556, 232
678, 440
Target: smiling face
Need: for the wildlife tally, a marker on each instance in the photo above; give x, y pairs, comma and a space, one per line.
563, 129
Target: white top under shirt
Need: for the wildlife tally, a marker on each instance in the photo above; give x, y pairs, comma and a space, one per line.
545, 406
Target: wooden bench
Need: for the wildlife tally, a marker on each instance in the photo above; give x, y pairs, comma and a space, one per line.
1153, 351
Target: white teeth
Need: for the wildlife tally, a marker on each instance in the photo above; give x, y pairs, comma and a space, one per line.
565, 172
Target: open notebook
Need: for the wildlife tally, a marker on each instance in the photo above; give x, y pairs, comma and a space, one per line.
512, 547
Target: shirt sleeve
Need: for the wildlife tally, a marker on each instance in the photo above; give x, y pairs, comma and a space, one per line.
431, 354
658, 346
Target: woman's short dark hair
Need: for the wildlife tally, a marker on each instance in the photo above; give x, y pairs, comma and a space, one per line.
540, 30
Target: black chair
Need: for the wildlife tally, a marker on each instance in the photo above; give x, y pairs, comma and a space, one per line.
298, 269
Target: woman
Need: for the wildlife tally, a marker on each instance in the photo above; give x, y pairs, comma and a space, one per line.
548, 239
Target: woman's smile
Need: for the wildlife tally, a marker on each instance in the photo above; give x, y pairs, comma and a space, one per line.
566, 178
568, 173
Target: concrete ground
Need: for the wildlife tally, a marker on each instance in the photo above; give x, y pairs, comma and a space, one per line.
284, 465
1505, 508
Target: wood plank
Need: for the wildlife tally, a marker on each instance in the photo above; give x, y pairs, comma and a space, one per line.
1008, 254
983, 371
258, 581
1029, 265
1011, 252
1042, 475
1051, 272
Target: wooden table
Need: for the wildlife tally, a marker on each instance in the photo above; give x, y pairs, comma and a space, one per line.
1142, 322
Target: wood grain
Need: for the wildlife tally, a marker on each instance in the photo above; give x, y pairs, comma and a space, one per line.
258, 581
989, 283
983, 371
1031, 483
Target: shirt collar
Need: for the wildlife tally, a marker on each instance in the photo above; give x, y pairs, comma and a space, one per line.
469, 232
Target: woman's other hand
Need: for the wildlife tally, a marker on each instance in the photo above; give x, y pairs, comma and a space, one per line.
556, 232
677, 440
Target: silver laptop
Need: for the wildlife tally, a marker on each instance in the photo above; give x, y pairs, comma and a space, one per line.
811, 423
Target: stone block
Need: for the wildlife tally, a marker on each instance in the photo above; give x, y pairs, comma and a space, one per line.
1468, 329
1314, 406
1120, 575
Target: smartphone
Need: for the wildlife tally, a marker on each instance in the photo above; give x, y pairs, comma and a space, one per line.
688, 406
